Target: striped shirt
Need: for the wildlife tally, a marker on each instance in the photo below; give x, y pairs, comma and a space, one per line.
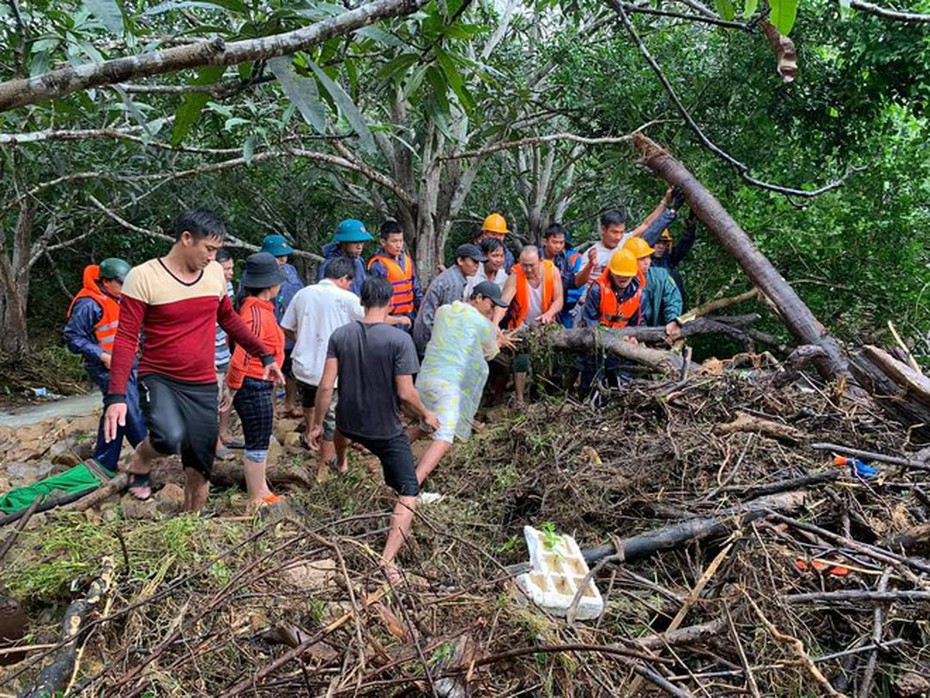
222, 355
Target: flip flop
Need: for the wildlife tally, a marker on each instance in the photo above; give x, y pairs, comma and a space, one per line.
223, 452
139, 481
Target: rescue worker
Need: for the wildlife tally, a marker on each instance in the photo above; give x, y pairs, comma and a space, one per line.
669, 254
93, 320
349, 241
534, 294
568, 262
613, 300
395, 265
661, 302
279, 248
494, 227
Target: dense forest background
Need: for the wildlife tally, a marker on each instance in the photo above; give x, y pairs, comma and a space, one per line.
460, 108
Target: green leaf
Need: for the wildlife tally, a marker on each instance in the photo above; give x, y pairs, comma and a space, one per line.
725, 9
248, 149
189, 111
346, 107
378, 35
108, 12
783, 13
301, 91
440, 89
750, 8
170, 5
454, 78
397, 67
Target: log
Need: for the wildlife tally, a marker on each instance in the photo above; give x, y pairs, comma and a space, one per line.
764, 427
278, 472
794, 313
682, 636
54, 678
673, 536
902, 392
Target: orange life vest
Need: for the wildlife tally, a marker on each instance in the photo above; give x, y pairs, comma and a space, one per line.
105, 329
613, 313
402, 281
521, 299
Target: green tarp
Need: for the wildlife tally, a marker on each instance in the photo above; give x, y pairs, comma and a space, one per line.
81, 479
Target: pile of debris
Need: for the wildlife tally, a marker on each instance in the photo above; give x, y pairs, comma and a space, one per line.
729, 554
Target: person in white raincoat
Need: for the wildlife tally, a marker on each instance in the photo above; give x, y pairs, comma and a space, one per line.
455, 369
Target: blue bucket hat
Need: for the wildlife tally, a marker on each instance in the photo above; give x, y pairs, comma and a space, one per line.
276, 246
352, 230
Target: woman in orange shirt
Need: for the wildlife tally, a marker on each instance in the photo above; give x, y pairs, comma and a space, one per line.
252, 396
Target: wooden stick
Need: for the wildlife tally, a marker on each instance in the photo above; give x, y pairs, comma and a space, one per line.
719, 304
907, 352
847, 595
871, 455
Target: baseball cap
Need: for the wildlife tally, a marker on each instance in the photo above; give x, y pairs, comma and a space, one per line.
470, 251
490, 290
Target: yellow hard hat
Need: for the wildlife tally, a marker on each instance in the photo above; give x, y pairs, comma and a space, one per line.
667, 236
639, 247
495, 223
623, 263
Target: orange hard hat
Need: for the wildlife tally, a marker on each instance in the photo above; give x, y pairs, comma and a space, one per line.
639, 247
623, 263
495, 223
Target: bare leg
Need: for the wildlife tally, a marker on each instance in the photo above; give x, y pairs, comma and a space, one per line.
431, 457
291, 403
140, 463
519, 386
401, 520
255, 483
196, 489
224, 434
341, 451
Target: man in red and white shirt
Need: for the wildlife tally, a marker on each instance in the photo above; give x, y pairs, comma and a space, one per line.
177, 301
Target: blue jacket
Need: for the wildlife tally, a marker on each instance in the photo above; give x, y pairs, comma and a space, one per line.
81, 339
331, 251
671, 259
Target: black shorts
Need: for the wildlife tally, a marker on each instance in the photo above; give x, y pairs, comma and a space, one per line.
254, 403
307, 395
400, 470
181, 418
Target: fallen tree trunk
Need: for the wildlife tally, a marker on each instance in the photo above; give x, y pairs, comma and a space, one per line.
54, 679
899, 390
794, 313
673, 536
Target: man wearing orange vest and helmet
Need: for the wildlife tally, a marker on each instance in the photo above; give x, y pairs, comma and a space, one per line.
495, 226
613, 300
391, 262
93, 319
534, 292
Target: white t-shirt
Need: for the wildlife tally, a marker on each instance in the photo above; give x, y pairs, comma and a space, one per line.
535, 309
603, 258
313, 314
500, 279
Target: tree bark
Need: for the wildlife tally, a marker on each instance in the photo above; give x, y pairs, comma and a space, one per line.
794, 313
14, 287
899, 390
58, 83
669, 537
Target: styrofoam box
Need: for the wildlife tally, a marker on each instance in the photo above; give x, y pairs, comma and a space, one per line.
556, 575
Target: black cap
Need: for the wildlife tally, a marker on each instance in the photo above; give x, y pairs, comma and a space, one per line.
489, 290
262, 271
471, 251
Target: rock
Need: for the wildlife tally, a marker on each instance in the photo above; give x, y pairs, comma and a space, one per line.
292, 440
314, 575
68, 460
134, 509
13, 626
22, 474
912, 685
169, 500
275, 451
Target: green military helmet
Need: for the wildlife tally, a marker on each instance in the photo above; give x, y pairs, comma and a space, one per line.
113, 268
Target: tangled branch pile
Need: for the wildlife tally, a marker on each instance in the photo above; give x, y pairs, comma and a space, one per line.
830, 596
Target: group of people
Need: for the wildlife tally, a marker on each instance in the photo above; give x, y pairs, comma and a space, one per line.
358, 350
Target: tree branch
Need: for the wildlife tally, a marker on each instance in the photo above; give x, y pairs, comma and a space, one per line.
741, 168
894, 15
536, 140
64, 81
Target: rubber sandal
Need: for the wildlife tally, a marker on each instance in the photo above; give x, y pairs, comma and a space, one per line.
137, 481
223, 453
234, 443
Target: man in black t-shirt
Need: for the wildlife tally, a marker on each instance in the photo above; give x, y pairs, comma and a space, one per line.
375, 364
